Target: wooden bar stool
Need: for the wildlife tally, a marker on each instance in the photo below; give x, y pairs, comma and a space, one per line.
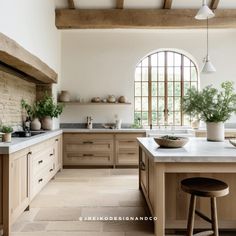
204, 187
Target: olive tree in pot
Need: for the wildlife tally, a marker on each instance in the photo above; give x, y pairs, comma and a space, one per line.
6, 130
48, 110
33, 114
212, 106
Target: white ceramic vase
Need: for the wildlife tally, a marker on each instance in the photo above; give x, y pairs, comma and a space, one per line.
35, 124
215, 131
47, 123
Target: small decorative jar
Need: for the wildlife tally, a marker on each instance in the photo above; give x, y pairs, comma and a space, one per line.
64, 96
111, 99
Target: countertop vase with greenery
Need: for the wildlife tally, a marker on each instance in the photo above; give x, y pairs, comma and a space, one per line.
7, 131
48, 109
213, 106
33, 113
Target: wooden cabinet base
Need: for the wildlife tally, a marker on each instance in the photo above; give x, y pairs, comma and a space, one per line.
160, 184
21, 174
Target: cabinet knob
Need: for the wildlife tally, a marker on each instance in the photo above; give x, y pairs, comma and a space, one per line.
51, 154
40, 180
57, 140
50, 170
41, 161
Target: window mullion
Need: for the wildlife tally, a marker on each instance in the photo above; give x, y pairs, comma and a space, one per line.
149, 91
166, 92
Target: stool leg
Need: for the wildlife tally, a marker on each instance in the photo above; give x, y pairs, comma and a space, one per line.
191, 215
214, 216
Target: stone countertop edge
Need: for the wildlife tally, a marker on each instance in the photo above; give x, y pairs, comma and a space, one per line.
128, 130
198, 150
18, 144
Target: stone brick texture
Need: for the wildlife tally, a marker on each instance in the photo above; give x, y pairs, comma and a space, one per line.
12, 90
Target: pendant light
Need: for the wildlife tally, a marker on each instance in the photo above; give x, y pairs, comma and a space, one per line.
208, 66
204, 12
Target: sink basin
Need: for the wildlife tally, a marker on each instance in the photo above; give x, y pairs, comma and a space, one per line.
161, 132
23, 134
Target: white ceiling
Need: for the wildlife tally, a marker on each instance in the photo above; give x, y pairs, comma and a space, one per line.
143, 4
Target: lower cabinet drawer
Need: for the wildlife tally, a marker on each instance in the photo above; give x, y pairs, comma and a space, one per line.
127, 157
88, 158
42, 178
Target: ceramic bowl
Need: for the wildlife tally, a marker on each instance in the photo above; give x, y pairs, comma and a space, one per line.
170, 143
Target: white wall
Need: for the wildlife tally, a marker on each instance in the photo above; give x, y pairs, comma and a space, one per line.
101, 62
31, 23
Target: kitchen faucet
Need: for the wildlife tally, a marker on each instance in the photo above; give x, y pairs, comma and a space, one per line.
89, 122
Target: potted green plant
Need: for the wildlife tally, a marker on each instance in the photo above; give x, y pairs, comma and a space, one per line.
48, 110
6, 130
212, 106
33, 113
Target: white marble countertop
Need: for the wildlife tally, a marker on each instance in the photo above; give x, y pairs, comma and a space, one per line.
21, 143
196, 150
74, 130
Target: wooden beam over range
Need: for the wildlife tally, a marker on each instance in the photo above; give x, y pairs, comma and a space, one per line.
140, 18
119, 4
167, 4
214, 4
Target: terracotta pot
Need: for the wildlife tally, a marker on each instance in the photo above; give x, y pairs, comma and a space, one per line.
6, 137
35, 124
215, 131
64, 96
47, 123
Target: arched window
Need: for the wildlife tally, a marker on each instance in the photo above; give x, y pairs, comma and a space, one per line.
161, 80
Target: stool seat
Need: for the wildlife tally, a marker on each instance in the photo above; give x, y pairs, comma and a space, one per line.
205, 187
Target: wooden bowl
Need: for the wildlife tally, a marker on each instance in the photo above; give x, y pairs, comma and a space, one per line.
169, 143
233, 142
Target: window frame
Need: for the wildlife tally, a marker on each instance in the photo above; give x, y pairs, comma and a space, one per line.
166, 81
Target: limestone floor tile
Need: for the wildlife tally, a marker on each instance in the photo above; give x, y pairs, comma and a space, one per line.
113, 212
124, 172
131, 203
28, 216
58, 214
16, 227
34, 227
42, 200
75, 226
127, 226
68, 234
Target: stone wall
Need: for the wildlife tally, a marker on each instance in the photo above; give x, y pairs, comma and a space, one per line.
12, 90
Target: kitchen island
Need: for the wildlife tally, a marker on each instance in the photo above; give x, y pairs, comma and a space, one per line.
161, 171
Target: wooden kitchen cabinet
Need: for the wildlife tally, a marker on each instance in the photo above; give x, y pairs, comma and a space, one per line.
126, 147
88, 149
146, 173
101, 149
19, 183
45, 160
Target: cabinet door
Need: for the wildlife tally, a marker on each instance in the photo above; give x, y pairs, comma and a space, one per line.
19, 183
143, 165
127, 149
58, 153
88, 149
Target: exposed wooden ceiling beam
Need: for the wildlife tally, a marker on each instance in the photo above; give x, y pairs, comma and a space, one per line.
167, 4
119, 4
71, 4
214, 4
133, 18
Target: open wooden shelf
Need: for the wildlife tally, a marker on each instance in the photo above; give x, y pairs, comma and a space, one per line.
93, 103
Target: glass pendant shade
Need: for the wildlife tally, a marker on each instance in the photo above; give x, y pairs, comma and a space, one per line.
208, 66
204, 12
